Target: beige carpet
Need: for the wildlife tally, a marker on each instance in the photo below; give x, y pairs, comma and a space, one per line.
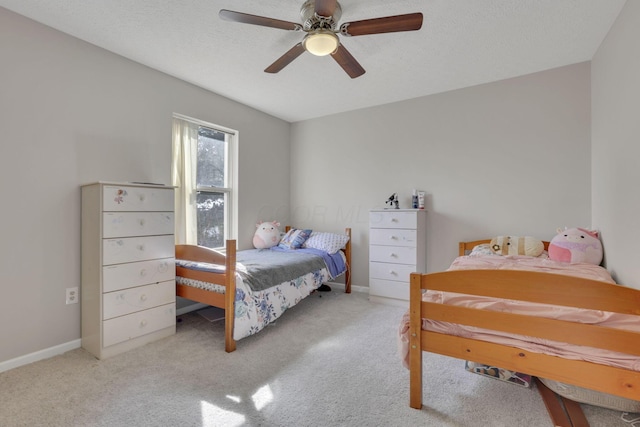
212, 314
330, 361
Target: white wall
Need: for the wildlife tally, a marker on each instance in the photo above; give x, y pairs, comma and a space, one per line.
70, 114
616, 145
511, 157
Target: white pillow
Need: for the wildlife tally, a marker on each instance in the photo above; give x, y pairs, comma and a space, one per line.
328, 242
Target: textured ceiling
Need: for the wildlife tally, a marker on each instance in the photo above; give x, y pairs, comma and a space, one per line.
462, 43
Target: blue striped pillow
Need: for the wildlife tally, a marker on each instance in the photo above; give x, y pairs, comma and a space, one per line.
294, 239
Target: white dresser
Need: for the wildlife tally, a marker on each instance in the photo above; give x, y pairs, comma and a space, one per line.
397, 248
128, 266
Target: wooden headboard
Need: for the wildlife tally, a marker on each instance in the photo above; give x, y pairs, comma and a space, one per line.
465, 247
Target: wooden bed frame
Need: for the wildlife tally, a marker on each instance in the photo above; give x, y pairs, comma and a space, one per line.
226, 300
534, 287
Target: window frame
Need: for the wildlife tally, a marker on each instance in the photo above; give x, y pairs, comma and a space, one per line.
230, 184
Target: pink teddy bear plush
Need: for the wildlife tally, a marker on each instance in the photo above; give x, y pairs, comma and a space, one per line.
576, 245
267, 235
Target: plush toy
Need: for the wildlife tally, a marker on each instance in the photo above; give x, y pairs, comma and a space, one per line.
575, 245
267, 235
514, 245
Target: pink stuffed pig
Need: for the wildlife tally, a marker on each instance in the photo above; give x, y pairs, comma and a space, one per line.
576, 245
267, 235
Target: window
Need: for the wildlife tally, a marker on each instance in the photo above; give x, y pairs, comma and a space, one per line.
202, 171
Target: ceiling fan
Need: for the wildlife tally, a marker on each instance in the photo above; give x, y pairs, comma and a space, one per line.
320, 22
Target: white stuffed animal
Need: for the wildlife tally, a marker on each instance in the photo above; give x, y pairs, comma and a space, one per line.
267, 235
515, 245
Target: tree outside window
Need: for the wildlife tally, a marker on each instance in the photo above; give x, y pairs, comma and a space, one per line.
211, 176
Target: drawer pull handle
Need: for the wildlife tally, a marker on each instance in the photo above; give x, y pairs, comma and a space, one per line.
143, 323
394, 220
143, 272
142, 197
142, 223
143, 297
141, 247
392, 255
393, 237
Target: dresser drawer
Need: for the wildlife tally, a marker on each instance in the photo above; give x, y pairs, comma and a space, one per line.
393, 219
125, 224
392, 254
134, 325
132, 249
121, 276
388, 271
393, 237
389, 289
130, 300
124, 198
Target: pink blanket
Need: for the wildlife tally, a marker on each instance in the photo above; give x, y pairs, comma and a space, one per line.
569, 351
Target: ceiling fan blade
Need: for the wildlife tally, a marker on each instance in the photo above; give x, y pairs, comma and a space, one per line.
347, 62
285, 59
388, 24
245, 18
325, 8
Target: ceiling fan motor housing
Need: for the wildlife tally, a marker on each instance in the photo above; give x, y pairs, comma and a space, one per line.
312, 22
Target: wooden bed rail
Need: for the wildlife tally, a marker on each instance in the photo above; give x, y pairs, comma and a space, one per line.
526, 286
347, 254
230, 296
539, 287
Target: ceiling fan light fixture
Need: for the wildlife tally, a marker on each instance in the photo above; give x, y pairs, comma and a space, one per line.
321, 43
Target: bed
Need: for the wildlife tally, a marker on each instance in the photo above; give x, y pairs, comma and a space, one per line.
241, 284
502, 330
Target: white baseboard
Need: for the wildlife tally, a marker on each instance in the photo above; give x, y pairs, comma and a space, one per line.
353, 288
39, 355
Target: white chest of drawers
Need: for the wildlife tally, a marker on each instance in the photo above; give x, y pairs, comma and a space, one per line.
397, 248
128, 266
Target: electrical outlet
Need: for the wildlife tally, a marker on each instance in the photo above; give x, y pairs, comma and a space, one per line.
72, 295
